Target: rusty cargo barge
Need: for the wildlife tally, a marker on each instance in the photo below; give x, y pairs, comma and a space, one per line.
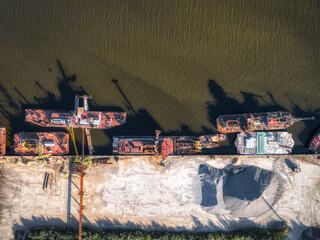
40, 143
81, 117
164, 145
250, 122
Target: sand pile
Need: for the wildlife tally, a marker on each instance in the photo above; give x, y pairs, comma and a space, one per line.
246, 194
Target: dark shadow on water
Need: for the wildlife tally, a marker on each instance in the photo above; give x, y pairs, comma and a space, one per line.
15, 112
127, 102
310, 129
225, 104
139, 121
68, 89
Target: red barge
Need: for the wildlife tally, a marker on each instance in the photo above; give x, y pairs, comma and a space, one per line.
81, 117
250, 122
40, 143
2, 140
164, 146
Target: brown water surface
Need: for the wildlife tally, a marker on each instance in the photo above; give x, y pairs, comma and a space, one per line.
179, 64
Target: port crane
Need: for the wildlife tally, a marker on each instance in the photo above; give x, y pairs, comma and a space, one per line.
70, 129
78, 110
81, 187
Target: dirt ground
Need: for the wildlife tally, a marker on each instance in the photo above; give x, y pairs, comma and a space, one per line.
138, 193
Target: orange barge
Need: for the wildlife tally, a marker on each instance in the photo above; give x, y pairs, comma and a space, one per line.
164, 146
2, 140
40, 143
250, 122
81, 117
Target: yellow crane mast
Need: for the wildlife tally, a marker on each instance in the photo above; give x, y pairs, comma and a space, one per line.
70, 128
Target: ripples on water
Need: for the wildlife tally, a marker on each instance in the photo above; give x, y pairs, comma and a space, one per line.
180, 64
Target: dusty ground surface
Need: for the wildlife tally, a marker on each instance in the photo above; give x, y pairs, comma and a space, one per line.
136, 192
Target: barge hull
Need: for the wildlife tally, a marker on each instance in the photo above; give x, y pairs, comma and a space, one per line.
250, 122
40, 143
170, 145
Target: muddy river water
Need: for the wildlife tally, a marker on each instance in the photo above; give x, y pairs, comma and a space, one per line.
172, 65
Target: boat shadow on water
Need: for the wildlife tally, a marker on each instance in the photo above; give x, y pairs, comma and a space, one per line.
139, 121
224, 103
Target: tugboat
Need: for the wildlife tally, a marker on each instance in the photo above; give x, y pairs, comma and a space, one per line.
171, 145
2, 140
81, 117
250, 122
40, 143
315, 143
264, 143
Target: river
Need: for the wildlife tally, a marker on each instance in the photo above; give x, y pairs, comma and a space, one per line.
172, 65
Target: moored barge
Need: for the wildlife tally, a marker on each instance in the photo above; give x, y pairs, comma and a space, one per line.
164, 146
250, 122
262, 143
40, 143
81, 117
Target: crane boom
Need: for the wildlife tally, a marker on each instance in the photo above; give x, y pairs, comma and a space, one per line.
70, 129
81, 188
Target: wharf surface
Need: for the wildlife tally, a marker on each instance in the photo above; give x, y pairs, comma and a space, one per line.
310, 158
136, 192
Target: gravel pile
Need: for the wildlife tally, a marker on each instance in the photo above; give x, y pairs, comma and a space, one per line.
249, 193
